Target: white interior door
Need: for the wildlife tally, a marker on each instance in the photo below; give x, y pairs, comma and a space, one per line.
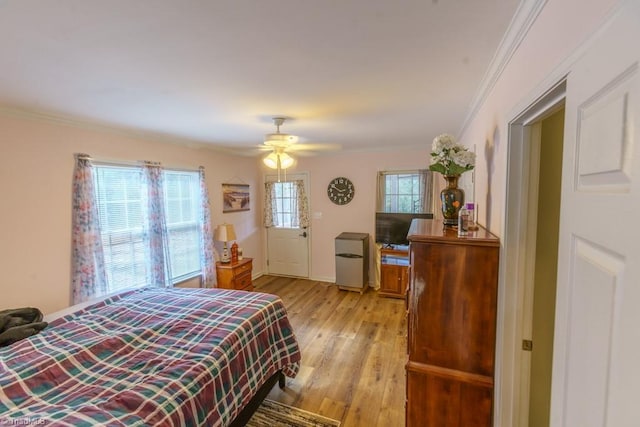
596, 372
288, 247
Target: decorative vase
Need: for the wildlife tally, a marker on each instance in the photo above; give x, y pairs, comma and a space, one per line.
452, 199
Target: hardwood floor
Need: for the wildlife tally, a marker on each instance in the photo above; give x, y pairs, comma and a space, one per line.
353, 352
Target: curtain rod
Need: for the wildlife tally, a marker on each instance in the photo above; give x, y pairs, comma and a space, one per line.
133, 163
401, 171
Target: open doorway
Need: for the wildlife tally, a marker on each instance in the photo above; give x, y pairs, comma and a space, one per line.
529, 273
545, 267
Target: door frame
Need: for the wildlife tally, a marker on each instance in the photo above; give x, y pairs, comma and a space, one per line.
515, 300
289, 177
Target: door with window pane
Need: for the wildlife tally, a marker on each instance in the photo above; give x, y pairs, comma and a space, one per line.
288, 244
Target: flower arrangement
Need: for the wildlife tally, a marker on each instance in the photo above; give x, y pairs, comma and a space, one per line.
450, 158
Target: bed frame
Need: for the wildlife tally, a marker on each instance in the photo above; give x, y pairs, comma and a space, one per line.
247, 412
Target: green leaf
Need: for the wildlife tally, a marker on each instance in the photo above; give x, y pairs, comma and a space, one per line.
438, 168
456, 169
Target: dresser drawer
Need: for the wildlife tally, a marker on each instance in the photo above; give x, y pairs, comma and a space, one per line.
243, 282
242, 269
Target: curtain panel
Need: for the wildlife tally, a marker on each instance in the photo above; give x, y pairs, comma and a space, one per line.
302, 207
88, 274
207, 259
270, 211
156, 233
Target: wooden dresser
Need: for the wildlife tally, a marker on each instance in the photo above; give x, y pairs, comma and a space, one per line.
451, 306
235, 275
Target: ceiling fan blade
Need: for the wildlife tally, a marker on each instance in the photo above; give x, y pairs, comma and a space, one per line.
314, 147
282, 142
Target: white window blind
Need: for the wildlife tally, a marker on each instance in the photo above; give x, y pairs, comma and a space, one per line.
182, 207
120, 196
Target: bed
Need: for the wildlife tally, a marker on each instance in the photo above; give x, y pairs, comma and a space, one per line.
183, 357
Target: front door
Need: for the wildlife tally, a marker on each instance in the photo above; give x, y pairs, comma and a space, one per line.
287, 244
596, 369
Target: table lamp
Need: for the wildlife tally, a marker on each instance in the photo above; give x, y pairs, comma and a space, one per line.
225, 233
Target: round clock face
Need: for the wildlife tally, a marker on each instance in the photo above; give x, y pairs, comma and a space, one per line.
340, 190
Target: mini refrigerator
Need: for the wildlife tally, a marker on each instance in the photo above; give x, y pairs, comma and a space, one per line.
352, 261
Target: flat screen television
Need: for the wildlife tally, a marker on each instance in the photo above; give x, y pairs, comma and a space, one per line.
392, 228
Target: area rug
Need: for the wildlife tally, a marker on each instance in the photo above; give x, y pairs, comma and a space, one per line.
275, 414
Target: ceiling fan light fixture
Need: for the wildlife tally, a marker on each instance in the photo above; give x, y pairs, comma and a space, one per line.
271, 161
279, 142
278, 160
286, 160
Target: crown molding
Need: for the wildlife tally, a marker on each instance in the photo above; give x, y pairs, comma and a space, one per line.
129, 132
523, 19
123, 131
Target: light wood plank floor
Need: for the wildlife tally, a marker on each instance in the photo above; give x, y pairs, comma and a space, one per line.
353, 352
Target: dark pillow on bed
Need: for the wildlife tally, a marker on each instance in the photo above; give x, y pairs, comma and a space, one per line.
19, 323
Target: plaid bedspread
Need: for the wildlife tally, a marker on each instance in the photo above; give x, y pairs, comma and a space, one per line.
157, 357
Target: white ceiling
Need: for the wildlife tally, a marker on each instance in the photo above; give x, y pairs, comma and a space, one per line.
365, 74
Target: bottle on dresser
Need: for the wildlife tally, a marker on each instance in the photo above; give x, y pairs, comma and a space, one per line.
471, 225
463, 221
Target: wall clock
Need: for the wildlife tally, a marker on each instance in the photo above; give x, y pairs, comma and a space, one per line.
340, 190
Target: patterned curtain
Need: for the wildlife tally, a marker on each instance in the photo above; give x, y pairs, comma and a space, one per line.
88, 277
270, 213
156, 232
207, 260
302, 219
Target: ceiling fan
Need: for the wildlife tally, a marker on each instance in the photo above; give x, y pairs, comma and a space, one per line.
281, 143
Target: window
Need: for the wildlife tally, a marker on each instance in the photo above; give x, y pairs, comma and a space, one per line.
286, 202
182, 208
120, 196
405, 192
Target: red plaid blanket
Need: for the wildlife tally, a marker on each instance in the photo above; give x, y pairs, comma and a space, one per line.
182, 357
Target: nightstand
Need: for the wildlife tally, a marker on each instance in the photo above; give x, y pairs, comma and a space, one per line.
235, 276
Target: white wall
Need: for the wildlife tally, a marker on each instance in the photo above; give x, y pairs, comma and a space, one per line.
36, 169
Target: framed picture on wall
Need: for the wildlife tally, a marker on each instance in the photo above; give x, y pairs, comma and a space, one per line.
235, 197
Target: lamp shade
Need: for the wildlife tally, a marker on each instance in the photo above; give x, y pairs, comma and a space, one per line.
272, 160
285, 160
225, 233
